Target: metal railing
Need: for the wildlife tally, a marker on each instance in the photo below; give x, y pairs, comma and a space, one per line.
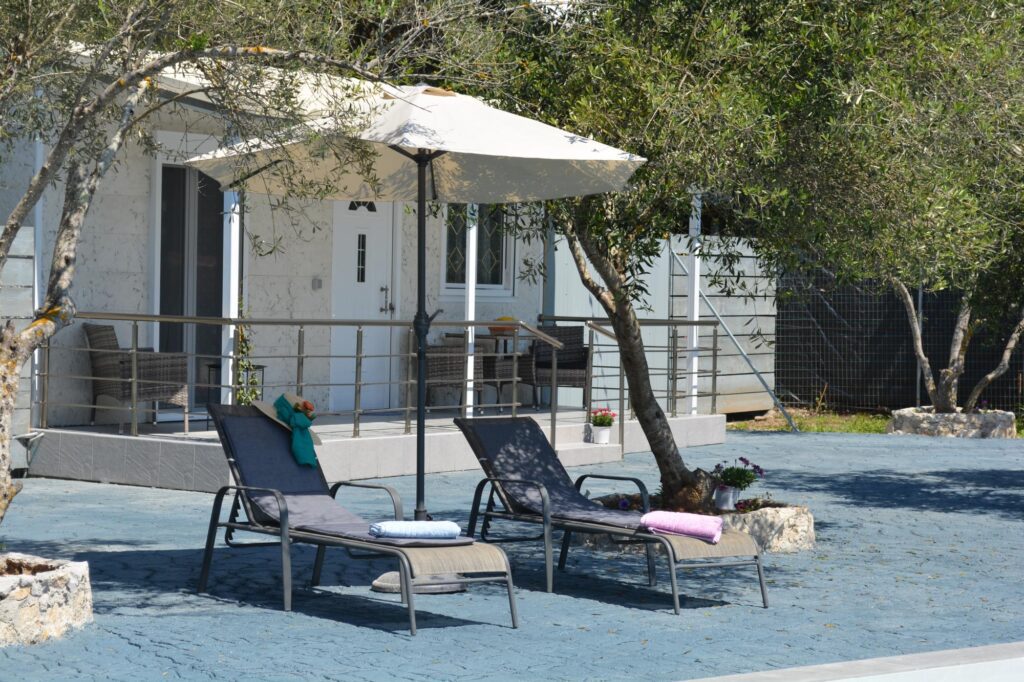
275, 362
380, 356
606, 374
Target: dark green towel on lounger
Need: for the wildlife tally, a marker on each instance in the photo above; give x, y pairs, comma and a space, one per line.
302, 442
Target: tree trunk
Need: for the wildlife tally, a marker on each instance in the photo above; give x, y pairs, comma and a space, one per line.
10, 375
682, 489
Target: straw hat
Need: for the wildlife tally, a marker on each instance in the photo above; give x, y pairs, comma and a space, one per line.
271, 412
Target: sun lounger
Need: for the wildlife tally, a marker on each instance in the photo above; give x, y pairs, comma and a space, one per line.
278, 497
529, 482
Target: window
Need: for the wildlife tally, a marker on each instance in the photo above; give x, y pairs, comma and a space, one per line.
492, 250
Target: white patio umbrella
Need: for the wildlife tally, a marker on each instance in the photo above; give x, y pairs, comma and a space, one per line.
431, 143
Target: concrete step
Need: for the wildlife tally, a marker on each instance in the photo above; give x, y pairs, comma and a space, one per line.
579, 453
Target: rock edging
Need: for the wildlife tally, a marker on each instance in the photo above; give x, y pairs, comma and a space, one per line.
42, 598
924, 422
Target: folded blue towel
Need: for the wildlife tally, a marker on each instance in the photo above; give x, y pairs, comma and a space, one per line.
429, 530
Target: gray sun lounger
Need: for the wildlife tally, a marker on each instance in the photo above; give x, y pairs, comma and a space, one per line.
294, 503
529, 482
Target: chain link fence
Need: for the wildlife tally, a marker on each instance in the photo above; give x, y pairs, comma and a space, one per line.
848, 348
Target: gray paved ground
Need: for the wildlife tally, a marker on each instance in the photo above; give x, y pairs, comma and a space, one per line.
921, 548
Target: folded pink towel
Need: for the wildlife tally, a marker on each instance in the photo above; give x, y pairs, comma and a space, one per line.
708, 528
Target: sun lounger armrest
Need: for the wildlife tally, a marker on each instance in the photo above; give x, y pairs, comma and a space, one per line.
396, 499
645, 498
282, 504
545, 499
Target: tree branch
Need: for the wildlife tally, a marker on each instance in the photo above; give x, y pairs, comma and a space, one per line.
915, 333
1000, 369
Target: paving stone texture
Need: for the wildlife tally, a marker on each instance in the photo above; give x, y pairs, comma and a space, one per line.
920, 548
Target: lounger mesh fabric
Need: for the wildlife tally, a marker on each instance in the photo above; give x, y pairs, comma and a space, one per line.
310, 506
517, 449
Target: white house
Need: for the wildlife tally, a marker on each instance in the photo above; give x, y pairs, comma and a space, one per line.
163, 240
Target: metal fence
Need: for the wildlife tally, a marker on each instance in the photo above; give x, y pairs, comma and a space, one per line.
302, 355
849, 348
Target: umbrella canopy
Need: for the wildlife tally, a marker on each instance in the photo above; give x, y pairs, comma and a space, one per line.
472, 152
491, 156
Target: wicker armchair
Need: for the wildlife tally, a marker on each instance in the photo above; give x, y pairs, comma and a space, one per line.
161, 376
573, 362
446, 366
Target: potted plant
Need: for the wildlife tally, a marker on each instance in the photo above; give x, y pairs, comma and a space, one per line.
733, 480
601, 421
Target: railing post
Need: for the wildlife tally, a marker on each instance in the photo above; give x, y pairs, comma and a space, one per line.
465, 372
357, 399
714, 369
622, 406
673, 368
44, 407
409, 373
554, 394
515, 373
135, 379
300, 359
589, 388
236, 371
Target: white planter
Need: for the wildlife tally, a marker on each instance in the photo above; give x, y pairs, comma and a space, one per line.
726, 497
602, 435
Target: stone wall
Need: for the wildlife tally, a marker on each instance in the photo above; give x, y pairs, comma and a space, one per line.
41, 598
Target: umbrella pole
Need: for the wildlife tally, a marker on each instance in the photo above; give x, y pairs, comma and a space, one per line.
421, 324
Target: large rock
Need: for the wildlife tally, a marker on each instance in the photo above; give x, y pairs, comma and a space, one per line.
42, 598
925, 422
776, 529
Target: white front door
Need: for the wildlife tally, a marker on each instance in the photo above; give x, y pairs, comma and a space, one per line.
362, 288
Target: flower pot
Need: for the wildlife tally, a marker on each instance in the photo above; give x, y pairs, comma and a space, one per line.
726, 497
602, 435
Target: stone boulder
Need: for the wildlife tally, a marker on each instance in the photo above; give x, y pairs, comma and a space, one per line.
776, 529
42, 598
925, 422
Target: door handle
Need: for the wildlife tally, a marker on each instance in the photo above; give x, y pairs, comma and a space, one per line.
388, 306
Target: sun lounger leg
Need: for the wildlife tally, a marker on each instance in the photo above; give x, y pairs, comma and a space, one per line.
211, 538
549, 559
672, 573
566, 537
404, 578
652, 571
286, 570
760, 578
512, 599
318, 564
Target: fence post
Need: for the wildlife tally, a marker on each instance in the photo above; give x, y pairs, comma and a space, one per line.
357, 399
135, 380
409, 372
554, 394
44, 407
515, 373
714, 369
300, 354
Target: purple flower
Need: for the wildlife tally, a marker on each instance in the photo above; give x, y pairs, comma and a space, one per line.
624, 504
745, 461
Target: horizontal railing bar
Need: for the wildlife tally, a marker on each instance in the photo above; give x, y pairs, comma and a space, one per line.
646, 322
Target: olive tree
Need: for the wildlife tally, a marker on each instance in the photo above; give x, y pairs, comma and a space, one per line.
677, 83
85, 78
